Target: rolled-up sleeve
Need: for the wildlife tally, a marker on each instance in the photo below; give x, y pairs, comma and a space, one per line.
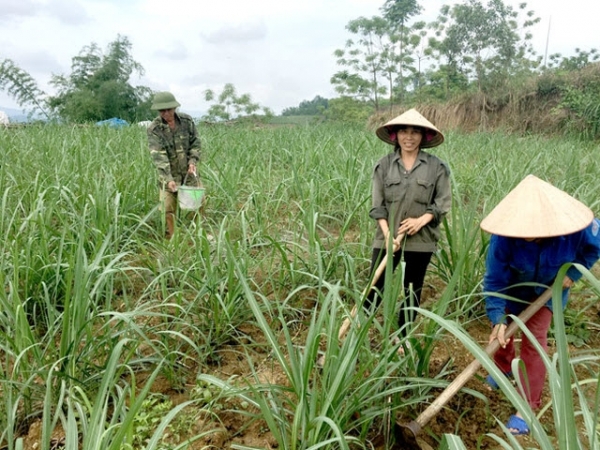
442, 200
378, 208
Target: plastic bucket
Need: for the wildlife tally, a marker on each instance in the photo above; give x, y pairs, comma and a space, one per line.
190, 197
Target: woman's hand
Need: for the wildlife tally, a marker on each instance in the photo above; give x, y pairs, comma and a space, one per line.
567, 282
413, 225
396, 242
498, 333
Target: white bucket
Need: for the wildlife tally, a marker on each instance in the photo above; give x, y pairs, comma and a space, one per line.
190, 197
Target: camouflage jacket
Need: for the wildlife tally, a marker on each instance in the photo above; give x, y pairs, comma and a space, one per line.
173, 150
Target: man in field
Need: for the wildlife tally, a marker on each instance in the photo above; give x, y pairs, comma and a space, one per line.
175, 150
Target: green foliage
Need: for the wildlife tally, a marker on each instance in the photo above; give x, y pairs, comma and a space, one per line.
397, 13
231, 106
580, 98
348, 110
472, 46
573, 63
487, 44
22, 87
98, 87
153, 409
452, 442
576, 327
365, 59
336, 406
313, 107
95, 305
570, 395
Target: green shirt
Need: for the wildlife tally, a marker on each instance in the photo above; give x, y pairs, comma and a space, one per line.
173, 150
399, 194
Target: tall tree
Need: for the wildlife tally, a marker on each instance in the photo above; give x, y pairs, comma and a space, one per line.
486, 43
228, 105
397, 13
98, 87
365, 59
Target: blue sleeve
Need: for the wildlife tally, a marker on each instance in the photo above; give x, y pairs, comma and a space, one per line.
588, 250
496, 278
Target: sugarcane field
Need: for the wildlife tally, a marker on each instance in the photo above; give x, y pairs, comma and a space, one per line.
115, 335
316, 225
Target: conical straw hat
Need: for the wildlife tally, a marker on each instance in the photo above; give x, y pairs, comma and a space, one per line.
432, 138
536, 209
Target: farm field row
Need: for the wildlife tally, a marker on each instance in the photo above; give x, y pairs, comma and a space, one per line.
115, 338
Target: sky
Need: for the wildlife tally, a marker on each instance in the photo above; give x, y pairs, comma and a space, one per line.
278, 51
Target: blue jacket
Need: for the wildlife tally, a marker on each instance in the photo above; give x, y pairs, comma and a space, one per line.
511, 261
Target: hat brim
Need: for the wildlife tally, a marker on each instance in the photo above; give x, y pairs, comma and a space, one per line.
166, 105
535, 209
432, 138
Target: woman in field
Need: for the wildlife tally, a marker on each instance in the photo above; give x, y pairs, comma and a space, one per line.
535, 229
411, 195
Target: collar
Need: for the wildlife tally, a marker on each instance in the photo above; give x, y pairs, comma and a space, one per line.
164, 122
421, 156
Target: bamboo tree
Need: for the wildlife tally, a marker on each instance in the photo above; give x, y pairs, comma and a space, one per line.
22, 87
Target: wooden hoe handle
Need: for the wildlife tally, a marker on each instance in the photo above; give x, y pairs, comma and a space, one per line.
470, 370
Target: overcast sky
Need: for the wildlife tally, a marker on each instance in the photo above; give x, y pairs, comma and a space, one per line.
278, 51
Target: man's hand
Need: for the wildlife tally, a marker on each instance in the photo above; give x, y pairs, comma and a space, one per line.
498, 333
191, 169
172, 186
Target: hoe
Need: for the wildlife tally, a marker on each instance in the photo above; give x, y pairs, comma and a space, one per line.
406, 434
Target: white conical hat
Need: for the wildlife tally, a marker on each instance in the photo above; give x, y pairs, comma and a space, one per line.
536, 209
412, 117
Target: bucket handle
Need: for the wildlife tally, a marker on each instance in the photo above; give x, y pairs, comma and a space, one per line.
196, 177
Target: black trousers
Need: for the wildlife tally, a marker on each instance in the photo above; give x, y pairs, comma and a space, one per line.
416, 266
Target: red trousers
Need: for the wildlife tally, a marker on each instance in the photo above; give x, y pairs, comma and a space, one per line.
535, 377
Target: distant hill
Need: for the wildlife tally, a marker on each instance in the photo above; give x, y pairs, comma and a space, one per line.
15, 115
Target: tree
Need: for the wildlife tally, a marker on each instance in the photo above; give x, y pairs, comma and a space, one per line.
366, 58
313, 107
22, 87
580, 60
484, 42
397, 13
98, 87
231, 106
348, 110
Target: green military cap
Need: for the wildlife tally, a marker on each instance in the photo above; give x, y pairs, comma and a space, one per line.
164, 100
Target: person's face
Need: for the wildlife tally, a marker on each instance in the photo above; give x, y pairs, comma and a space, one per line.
536, 240
409, 138
167, 115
